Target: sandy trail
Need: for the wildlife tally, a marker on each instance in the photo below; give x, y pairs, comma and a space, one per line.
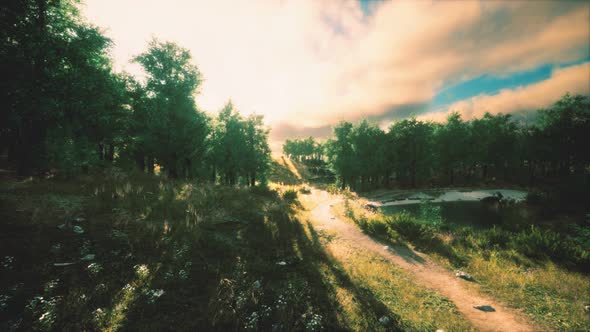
425, 271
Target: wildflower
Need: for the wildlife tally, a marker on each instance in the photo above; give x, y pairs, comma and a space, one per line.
7, 262
182, 274
94, 268
314, 323
154, 294
142, 270
4, 301
128, 288
51, 285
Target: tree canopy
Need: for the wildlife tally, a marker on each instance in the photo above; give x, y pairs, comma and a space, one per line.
65, 108
489, 149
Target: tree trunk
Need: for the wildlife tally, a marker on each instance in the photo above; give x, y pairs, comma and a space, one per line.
188, 165
173, 172
150, 165
531, 173
413, 173
452, 176
110, 153
140, 161
100, 151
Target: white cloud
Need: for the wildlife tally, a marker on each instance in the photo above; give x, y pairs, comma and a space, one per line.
312, 63
574, 79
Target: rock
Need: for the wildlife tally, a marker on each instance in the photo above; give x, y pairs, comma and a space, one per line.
490, 200
440, 330
384, 320
257, 284
485, 308
88, 257
63, 264
463, 275
371, 207
386, 247
305, 191
78, 230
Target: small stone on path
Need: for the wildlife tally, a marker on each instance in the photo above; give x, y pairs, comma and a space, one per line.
463, 275
485, 308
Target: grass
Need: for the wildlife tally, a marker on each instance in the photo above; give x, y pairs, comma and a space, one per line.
536, 270
387, 288
165, 256
117, 251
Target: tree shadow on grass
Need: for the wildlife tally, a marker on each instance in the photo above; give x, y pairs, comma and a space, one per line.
371, 307
219, 273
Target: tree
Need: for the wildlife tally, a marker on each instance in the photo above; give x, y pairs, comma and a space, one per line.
239, 147
411, 141
563, 132
257, 151
341, 154
451, 141
59, 95
493, 139
177, 129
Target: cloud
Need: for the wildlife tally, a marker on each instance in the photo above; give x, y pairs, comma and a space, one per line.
573, 79
310, 64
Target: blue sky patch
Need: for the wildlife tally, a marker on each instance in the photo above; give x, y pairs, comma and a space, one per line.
491, 84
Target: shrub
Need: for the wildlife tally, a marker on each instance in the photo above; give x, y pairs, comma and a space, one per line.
333, 188
412, 229
536, 243
264, 191
540, 244
290, 195
494, 237
377, 226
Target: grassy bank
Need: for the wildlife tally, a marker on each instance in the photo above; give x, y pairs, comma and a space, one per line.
120, 252
537, 270
134, 252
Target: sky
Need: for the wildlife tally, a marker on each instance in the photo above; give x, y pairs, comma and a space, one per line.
307, 65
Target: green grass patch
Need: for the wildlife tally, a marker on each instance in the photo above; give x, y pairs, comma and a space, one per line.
537, 269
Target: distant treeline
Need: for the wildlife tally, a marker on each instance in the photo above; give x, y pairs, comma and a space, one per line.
63, 106
303, 149
494, 148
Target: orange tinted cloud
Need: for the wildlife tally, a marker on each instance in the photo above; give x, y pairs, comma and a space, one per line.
574, 79
310, 63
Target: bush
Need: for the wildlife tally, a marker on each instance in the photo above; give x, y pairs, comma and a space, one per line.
290, 195
412, 229
333, 189
264, 191
494, 237
542, 244
377, 226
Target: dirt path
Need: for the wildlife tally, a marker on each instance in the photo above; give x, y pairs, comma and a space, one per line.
425, 271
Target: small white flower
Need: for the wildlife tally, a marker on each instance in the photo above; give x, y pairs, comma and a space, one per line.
94, 268
7, 262
182, 274
3, 301
142, 270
